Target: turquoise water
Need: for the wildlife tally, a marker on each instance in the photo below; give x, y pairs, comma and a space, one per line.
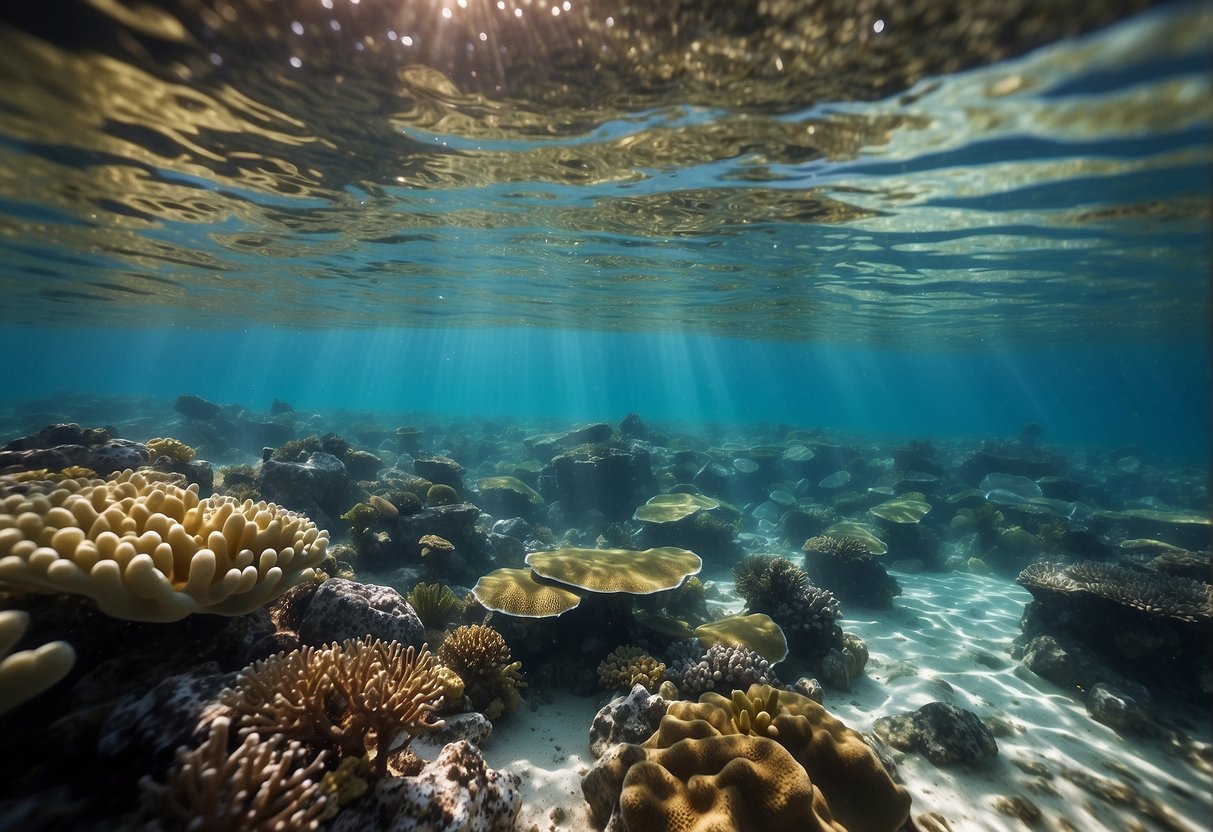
1021, 235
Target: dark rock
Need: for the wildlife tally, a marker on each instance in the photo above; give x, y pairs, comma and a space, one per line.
631, 426
255, 433
178, 711
195, 407
513, 527
92, 449
277, 407
1026, 463
1112, 706
59, 434
317, 487
440, 469
1060, 488
943, 733
611, 480
811, 688
632, 718
507, 550
713, 478
1072, 665
362, 465
196, 470
343, 609
470, 727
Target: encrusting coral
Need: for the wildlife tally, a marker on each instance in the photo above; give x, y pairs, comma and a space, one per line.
262, 786
481, 657
26, 673
147, 550
626, 666
350, 697
760, 760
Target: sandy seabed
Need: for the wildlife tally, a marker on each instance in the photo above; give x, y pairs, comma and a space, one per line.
947, 639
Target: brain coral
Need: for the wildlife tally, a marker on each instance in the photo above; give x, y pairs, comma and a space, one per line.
698, 771
152, 551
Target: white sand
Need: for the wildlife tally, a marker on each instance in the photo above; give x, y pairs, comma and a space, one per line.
946, 640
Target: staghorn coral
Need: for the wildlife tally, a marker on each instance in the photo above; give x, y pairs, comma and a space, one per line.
626, 666
262, 786
351, 696
435, 604
172, 448
481, 657
705, 768
26, 673
147, 550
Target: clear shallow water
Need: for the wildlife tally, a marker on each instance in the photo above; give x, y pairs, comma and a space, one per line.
920, 233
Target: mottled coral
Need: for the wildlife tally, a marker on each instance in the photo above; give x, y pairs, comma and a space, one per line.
481, 657
720, 667
353, 697
151, 551
626, 666
262, 786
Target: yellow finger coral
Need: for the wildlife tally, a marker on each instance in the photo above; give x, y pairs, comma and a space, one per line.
26, 673
151, 551
351, 696
627, 666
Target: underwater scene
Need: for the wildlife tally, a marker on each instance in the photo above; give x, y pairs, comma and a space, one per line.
573, 415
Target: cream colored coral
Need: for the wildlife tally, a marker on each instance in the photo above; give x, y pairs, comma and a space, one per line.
152, 551
262, 786
26, 673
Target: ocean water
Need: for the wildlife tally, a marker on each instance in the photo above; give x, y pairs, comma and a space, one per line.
342, 206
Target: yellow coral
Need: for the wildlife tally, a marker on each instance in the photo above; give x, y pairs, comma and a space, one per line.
152, 551
516, 592
642, 572
348, 696
435, 604
481, 657
344, 784
26, 673
172, 448
627, 666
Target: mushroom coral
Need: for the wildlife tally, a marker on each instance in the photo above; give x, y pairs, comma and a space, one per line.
802, 769
147, 550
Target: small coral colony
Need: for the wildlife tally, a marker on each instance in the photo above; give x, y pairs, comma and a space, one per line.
325, 638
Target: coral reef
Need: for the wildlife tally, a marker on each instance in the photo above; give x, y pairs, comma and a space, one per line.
627, 666
262, 786
353, 697
805, 613
516, 592
435, 604
481, 657
172, 448
720, 668
150, 551
757, 632
441, 494
616, 570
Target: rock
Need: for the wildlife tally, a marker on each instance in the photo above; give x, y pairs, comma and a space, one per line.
440, 469
362, 465
1113, 707
196, 470
515, 527
839, 667
457, 792
632, 426
196, 407
632, 718
178, 711
277, 407
471, 727
607, 479
455, 523
343, 609
810, 688
943, 733
89, 448
316, 487
1075, 667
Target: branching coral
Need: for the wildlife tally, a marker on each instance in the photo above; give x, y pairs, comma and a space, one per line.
779, 588
351, 696
627, 666
151, 551
721, 667
845, 548
481, 657
262, 786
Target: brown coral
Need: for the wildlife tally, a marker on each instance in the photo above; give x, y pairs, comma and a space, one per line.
1165, 596
806, 771
627, 666
481, 657
262, 786
348, 696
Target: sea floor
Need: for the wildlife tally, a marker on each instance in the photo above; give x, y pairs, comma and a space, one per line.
946, 639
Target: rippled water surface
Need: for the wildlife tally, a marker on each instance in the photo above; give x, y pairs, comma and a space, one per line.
917, 175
